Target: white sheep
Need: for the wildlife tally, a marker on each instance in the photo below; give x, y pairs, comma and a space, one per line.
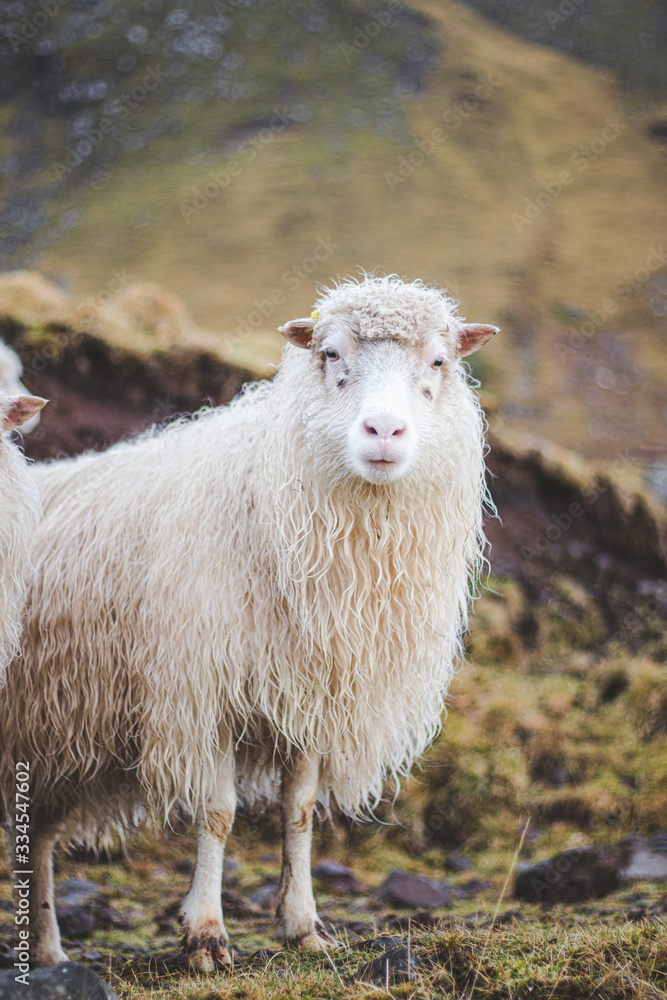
19, 513
275, 589
11, 370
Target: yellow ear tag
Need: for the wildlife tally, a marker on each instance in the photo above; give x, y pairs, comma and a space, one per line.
315, 315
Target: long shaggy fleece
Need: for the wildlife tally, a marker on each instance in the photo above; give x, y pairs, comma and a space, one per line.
19, 514
221, 580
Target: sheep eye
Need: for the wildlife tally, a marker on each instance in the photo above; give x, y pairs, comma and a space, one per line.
331, 354
438, 363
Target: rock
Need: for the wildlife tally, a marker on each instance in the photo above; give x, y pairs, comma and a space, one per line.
382, 943
401, 888
186, 866
238, 907
508, 917
81, 909
472, 888
265, 894
77, 890
166, 926
458, 863
171, 911
67, 981
398, 965
77, 922
647, 858
336, 876
575, 875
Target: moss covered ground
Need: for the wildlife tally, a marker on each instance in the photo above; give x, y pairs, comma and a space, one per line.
544, 748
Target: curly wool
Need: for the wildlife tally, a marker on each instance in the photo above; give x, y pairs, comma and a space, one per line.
219, 582
19, 515
386, 306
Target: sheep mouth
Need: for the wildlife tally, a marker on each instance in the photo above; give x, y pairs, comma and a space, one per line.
381, 469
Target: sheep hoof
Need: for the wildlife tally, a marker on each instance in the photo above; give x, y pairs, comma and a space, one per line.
206, 954
41, 959
316, 940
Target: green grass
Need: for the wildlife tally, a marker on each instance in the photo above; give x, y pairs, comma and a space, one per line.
527, 956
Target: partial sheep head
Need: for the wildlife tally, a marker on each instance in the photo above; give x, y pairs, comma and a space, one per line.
19, 411
386, 354
11, 370
471, 337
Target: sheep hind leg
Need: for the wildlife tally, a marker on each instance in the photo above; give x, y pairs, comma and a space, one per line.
205, 941
297, 919
45, 947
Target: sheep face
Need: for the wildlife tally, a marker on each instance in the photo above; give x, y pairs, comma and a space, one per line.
389, 393
388, 376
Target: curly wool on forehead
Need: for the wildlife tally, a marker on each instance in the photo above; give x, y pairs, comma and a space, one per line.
389, 307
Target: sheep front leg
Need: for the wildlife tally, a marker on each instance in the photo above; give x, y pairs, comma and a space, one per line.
298, 922
45, 947
205, 940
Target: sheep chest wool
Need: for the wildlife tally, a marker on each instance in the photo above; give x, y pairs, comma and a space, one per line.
265, 600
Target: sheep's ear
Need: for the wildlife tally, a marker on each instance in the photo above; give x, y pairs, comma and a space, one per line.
473, 336
298, 331
21, 409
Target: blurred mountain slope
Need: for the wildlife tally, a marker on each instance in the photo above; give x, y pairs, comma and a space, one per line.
630, 39
434, 145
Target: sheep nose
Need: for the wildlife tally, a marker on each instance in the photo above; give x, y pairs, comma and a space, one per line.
384, 426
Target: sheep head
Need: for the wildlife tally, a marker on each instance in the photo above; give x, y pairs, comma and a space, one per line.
387, 354
11, 370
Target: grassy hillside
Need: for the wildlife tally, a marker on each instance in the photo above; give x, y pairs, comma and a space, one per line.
631, 40
461, 187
